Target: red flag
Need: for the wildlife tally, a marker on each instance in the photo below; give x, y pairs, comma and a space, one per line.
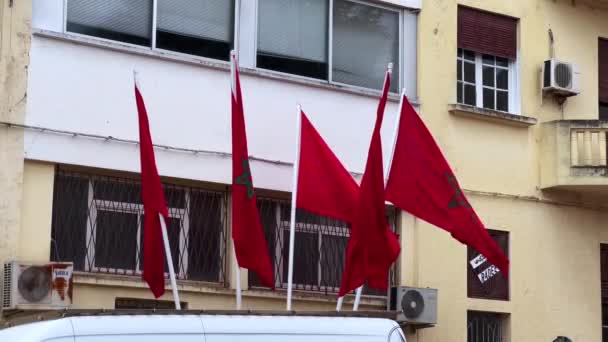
324, 186
422, 183
372, 247
153, 197
247, 233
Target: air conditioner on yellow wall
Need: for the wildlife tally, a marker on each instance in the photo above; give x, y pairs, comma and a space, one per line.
561, 78
29, 286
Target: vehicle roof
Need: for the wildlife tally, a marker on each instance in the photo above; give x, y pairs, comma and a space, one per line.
193, 323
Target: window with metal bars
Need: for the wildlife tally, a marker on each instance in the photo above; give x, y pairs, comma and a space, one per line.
320, 248
98, 224
485, 327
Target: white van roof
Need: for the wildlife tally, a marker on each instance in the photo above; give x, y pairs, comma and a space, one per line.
199, 324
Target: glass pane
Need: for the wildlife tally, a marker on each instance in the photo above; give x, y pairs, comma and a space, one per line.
488, 59
459, 53
502, 78
488, 98
459, 69
488, 76
174, 231
469, 72
116, 190
502, 62
365, 40
128, 21
502, 101
116, 240
469, 95
603, 111
469, 55
459, 92
292, 36
333, 254
306, 258
202, 28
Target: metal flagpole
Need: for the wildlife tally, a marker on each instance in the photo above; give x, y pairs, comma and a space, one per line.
163, 228
237, 269
360, 289
294, 196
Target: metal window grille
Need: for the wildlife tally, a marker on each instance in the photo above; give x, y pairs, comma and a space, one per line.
98, 224
485, 327
320, 248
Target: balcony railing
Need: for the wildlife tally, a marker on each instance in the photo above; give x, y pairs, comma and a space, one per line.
588, 147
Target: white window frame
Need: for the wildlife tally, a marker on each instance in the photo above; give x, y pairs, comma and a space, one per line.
513, 89
284, 226
251, 61
154, 24
138, 209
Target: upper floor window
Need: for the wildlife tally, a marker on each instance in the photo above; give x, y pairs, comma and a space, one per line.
485, 280
603, 78
343, 41
486, 60
201, 28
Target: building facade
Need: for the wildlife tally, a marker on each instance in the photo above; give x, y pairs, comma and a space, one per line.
532, 164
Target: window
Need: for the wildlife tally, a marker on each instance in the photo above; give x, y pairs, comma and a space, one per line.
98, 222
320, 248
603, 78
201, 28
486, 60
486, 327
484, 280
302, 41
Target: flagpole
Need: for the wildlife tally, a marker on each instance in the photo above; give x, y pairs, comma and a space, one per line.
360, 289
294, 197
237, 269
163, 227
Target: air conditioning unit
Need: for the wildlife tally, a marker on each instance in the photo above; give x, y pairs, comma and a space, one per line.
416, 306
30, 286
560, 78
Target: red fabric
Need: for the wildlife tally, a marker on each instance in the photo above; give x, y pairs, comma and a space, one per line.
153, 197
422, 183
372, 247
324, 186
247, 233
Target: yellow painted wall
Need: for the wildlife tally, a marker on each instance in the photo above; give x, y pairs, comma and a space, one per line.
36, 212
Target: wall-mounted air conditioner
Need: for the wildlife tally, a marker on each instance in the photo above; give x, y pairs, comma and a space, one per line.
417, 306
561, 78
29, 286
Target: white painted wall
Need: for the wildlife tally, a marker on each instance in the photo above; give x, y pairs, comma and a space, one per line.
89, 89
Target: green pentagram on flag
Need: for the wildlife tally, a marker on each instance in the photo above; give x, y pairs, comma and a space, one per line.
458, 200
245, 178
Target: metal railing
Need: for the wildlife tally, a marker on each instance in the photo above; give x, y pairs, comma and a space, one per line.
320, 248
485, 327
98, 224
588, 147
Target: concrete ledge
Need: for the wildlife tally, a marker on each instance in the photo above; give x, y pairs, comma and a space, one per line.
491, 115
111, 280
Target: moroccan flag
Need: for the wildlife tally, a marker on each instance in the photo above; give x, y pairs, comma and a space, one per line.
324, 186
247, 233
153, 198
372, 247
422, 183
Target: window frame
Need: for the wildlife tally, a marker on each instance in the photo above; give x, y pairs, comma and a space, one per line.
330, 31
513, 79
96, 205
153, 28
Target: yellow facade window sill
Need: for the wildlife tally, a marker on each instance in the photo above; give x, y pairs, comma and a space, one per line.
125, 281
491, 115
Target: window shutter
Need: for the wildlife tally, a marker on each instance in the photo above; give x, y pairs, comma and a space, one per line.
603, 70
487, 33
